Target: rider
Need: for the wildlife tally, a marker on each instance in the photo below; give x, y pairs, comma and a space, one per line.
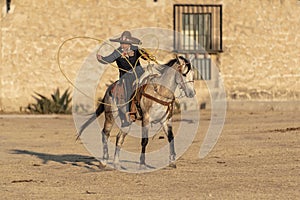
127, 58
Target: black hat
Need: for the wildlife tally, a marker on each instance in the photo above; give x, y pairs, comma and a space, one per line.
126, 38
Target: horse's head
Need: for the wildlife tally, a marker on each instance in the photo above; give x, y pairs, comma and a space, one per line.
185, 78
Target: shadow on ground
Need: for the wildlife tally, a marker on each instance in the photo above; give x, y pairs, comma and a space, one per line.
88, 162
71, 159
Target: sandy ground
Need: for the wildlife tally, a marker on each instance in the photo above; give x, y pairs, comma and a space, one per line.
256, 157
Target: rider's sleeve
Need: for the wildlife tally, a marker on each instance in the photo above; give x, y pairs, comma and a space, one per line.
110, 58
140, 53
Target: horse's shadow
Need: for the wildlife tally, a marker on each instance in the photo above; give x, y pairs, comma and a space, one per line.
89, 162
67, 159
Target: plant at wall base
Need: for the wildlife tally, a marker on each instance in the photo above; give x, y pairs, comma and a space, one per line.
55, 105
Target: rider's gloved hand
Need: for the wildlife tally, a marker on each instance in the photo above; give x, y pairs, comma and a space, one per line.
99, 57
145, 54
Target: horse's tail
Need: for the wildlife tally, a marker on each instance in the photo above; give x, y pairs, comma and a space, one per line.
93, 117
100, 109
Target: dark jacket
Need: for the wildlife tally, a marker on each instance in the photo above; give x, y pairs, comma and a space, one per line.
122, 63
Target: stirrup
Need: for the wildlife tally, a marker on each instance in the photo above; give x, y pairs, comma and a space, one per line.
125, 124
132, 116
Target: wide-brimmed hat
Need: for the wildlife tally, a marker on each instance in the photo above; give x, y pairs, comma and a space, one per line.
126, 38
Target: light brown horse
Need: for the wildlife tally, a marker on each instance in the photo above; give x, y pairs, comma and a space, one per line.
156, 99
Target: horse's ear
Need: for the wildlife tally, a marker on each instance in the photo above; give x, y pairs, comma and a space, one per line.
179, 67
177, 57
177, 61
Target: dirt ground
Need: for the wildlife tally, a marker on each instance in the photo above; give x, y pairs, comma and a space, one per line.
257, 157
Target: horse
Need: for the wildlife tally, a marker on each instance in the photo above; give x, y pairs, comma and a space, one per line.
156, 100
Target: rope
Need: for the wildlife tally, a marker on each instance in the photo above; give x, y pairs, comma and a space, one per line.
59, 65
144, 53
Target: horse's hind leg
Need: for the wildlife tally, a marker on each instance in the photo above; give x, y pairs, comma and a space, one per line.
105, 135
119, 142
168, 130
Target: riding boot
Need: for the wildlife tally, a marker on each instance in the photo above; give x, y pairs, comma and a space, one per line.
123, 117
123, 113
133, 111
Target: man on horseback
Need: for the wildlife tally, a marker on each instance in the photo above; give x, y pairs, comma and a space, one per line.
127, 58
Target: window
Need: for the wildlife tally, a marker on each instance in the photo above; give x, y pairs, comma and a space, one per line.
202, 68
200, 28
196, 31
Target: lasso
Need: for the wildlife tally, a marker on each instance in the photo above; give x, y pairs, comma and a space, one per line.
144, 53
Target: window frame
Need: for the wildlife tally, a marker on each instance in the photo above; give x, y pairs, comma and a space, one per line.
215, 10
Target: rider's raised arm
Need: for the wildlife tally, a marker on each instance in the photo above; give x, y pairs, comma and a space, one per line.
110, 58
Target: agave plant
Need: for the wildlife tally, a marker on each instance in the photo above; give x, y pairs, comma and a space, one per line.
56, 104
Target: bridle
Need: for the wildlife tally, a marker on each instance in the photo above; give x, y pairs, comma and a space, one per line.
183, 83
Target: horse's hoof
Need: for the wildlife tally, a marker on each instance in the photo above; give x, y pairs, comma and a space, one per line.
143, 167
172, 165
102, 164
117, 166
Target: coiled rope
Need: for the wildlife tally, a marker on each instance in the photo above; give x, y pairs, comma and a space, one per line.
144, 53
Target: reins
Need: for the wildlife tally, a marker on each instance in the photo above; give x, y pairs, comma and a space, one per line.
164, 103
169, 104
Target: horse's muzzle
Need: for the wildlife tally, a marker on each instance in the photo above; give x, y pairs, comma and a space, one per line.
191, 94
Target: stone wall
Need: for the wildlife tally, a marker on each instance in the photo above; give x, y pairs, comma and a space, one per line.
260, 58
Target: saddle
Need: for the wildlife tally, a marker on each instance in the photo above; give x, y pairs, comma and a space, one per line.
135, 112
118, 92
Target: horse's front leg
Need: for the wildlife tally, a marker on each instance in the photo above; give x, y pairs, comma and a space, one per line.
145, 123
119, 142
168, 131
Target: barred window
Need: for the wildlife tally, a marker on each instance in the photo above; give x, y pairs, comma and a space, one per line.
202, 68
200, 28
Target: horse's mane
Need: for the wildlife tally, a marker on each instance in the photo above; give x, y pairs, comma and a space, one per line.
187, 63
171, 62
